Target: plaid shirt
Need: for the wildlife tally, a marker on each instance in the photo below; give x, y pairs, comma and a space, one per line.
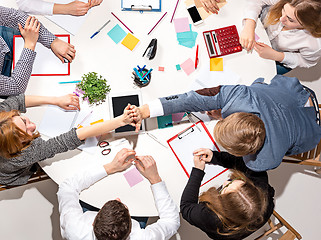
18, 81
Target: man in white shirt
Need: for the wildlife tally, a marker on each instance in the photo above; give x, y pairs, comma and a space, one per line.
113, 220
40, 7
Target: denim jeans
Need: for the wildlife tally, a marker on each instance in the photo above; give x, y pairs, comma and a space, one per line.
280, 69
7, 35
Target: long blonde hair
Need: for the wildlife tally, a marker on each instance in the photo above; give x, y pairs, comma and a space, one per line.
239, 210
308, 13
12, 139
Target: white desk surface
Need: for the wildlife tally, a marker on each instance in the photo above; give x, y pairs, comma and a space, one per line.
115, 63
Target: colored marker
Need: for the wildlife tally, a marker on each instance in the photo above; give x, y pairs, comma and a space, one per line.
147, 73
174, 10
70, 82
76, 94
157, 23
196, 58
122, 22
100, 29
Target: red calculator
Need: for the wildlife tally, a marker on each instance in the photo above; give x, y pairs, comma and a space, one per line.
222, 41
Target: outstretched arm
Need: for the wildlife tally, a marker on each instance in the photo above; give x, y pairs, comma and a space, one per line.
75, 8
67, 102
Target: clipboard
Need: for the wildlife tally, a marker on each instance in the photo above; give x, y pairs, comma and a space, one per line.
141, 5
46, 62
186, 142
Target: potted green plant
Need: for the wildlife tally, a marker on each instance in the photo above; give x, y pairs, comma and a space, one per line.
93, 88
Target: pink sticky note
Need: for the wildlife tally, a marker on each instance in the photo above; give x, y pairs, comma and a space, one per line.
176, 117
133, 177
181, 25
256, 37
188, 66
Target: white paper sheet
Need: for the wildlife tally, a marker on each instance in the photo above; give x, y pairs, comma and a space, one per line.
46, 62
71, 24
56, 121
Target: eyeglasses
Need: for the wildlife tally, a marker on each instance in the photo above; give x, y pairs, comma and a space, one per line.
104, 144
230, 182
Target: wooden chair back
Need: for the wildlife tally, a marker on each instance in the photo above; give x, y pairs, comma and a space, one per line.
290, 234
39, 175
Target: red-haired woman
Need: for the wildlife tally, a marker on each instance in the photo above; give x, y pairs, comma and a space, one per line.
235, 210
293, 27
21, 145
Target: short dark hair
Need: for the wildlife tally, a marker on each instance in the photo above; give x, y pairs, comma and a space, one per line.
112, 221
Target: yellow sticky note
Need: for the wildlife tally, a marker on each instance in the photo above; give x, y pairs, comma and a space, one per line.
130, 41
98, 121
216, 64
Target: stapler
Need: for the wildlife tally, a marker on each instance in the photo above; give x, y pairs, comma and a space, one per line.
151, 49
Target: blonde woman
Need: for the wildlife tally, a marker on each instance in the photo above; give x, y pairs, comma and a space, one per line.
293, 27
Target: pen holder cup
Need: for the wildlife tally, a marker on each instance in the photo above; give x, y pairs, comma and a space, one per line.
138, 79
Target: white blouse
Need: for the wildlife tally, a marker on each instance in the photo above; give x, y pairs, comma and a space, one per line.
300, 48
38, 7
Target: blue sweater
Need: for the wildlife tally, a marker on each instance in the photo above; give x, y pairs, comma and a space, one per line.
290, 127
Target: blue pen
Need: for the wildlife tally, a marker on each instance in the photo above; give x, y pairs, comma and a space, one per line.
70, 82
99, 29
138, 74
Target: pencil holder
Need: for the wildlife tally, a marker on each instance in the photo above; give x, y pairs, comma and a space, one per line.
142, 76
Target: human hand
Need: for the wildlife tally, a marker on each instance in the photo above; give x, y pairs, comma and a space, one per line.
128, 115
63, 50
247, 36
94, 3
30, 32
121, 162
265, 51
68, 102
146, 165
77, 8
204, 154
198, 163
215, 114
139, 114
210, 5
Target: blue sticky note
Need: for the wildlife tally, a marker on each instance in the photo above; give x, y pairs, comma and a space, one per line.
117, 34
184, 35
178, 67
189, 44
161, 121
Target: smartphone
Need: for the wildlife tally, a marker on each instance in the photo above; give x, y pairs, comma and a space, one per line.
193, 12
